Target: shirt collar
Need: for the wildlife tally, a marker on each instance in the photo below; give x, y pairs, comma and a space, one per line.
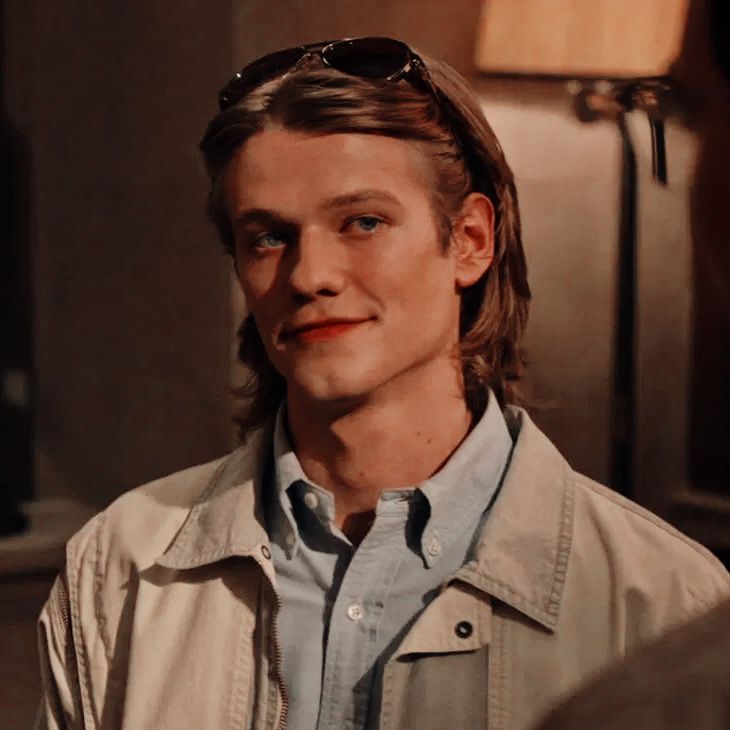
522, 559
464, 487
289, 481
467, 484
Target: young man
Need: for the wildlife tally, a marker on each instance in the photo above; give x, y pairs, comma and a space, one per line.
394, 545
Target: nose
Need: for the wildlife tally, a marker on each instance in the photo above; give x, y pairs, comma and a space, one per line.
315, 269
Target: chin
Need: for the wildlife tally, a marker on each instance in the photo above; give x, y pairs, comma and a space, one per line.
330, 392
340, 386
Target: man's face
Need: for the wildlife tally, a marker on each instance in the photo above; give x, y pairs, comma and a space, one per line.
338, 254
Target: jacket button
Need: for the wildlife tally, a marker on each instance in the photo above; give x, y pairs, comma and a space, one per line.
464, 629
265, 551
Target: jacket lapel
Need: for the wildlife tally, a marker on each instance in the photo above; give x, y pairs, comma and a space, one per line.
228, 519
522, 557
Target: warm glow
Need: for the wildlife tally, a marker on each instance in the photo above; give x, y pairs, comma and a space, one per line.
580, 38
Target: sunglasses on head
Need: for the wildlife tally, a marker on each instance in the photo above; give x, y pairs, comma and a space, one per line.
383, 59
375, 58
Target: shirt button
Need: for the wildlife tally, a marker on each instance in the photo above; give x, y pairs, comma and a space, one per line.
464, 629
310, 499
434, 548
354, 612
266, 552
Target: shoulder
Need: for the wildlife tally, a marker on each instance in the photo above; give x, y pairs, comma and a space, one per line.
618, 556
659, 574
678, 681
95, 597
157, 508
141, 522
631, 520
108, 557
633, 530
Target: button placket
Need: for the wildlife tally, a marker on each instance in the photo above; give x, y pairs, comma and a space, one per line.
351, 644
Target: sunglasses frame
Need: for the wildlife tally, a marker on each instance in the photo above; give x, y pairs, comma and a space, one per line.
413, 69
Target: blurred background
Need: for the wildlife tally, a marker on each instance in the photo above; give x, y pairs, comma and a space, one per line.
118, 306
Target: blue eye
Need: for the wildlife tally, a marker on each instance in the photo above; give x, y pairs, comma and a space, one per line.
269, 240
366, 223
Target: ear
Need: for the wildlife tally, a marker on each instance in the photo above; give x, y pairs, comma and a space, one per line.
473, 239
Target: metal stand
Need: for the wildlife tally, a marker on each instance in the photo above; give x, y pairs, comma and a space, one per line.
623, 416
613, 101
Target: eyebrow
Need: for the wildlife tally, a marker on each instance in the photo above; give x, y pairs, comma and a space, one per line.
261, 217
264, 217
359, 196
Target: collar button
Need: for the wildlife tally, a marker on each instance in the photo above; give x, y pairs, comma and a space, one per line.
434, 548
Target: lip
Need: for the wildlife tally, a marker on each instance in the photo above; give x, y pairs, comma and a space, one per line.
326, 329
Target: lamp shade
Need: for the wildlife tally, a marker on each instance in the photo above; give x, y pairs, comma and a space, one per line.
593, 38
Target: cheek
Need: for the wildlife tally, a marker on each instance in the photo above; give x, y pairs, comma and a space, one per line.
410, 286
258, 283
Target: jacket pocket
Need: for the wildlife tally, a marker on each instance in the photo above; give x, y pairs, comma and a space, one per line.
436, 691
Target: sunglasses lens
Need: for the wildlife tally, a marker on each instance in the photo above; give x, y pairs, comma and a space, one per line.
371, 58
255, 73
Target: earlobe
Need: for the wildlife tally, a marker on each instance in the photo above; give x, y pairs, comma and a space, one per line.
474, 239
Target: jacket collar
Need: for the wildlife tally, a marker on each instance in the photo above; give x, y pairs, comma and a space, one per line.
228, 518
521, 558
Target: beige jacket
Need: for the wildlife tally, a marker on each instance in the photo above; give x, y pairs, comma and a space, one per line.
164, 616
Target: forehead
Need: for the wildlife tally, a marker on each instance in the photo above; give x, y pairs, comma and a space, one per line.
282, 165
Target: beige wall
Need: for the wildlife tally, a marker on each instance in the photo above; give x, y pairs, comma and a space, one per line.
664, 324
567, 178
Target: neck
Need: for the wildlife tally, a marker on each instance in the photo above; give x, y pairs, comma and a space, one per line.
395, 439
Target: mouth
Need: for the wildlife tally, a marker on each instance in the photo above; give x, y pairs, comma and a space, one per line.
323, 330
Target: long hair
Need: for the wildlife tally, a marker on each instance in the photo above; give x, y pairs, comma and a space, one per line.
465, 157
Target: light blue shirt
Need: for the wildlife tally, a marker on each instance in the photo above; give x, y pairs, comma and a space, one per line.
344, 608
